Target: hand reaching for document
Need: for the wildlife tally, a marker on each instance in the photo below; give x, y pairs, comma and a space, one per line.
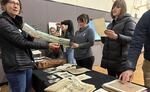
74, 45
126, 76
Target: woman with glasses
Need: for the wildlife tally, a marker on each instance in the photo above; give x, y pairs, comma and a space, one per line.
15, 46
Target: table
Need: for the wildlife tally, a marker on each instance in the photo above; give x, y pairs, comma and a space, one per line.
40, 81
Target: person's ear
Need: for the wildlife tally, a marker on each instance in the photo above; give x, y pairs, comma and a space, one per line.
3, 8
66, 27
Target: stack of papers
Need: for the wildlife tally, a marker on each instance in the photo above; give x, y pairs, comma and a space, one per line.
70, 85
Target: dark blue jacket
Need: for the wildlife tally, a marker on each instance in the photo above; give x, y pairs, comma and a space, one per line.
15, 45
141, 37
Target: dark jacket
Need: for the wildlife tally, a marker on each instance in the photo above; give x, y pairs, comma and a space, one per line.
15, 45
115, 51
141, 37
85, 38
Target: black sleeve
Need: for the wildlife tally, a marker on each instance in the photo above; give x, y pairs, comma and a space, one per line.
128, 32
11, 34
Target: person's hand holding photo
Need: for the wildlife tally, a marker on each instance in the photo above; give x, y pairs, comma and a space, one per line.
111, 34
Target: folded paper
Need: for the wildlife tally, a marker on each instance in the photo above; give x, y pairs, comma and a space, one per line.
70, 85
44, 36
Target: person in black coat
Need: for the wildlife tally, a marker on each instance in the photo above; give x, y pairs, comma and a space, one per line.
15, 47
119, 35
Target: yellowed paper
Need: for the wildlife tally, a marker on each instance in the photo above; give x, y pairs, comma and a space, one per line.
44, 36
70, 85
64, 74
117, 86
83, 77
100, 26
101, 90
78, 71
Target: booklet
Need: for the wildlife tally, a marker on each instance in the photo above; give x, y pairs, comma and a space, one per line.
117, 86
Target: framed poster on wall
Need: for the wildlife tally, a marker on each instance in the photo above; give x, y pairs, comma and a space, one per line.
54, 28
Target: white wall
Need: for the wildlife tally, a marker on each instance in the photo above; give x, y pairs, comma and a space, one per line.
97, 52
106, 5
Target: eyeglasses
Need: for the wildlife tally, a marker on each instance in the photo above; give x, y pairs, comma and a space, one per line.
14, 3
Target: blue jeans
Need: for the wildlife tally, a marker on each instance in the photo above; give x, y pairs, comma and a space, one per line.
20, 81
70, 56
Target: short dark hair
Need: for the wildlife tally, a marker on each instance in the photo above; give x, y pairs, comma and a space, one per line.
83, 18
4, 2
120, 4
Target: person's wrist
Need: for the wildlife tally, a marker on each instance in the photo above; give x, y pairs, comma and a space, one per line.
77, 45
116, 36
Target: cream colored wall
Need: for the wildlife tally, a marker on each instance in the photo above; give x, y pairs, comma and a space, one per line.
95, 4
106, 5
